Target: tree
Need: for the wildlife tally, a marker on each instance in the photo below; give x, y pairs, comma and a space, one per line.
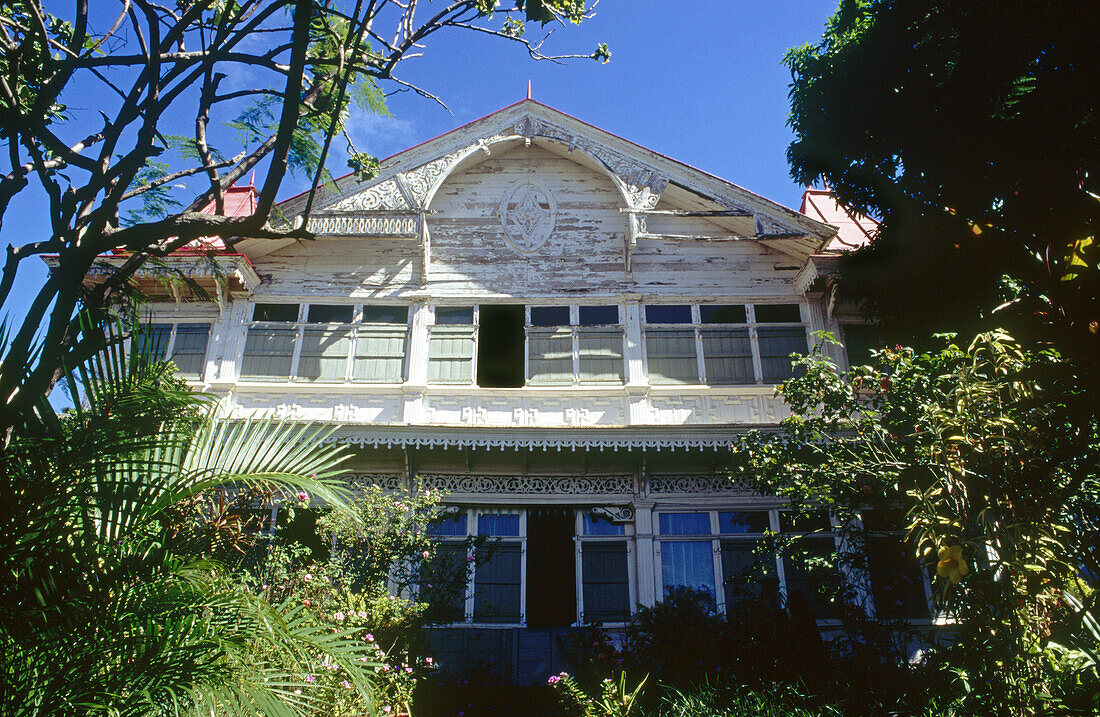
294, 68
114, 597
978, 450
970, 129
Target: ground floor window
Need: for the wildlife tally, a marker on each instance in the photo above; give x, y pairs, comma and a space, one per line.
556, 567
718, 553
547, 567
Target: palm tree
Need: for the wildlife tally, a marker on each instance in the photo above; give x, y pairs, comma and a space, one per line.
107, 604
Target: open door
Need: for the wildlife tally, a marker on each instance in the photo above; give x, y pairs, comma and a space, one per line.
551, 569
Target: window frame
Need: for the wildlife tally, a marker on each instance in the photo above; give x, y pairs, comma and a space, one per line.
170, 346
473, 514
580, 539
751, 325
716, 538
353, 330
575, 329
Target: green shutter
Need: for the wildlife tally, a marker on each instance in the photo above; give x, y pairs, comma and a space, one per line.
550, 356
451, 354
268, 353
670, 354
601, 355
727, 356
380, 354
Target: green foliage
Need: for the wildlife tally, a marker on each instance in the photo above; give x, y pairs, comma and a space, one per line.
156, 202
976, 141
111, 603
981, 450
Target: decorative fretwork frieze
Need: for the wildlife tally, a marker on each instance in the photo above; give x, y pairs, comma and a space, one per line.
375, 225
389, 482
384, 195
451, 483
695, 484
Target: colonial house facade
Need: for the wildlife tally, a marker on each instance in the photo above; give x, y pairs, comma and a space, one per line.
559, 330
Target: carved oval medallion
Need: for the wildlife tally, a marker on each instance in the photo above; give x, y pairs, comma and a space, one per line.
527, 213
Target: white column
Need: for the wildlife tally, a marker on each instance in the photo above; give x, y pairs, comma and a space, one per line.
636, 384
227, 337
417, 357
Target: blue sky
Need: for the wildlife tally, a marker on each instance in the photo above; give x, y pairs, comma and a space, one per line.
701, 82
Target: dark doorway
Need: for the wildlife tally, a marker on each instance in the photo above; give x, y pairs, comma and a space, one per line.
551, 570
500, 346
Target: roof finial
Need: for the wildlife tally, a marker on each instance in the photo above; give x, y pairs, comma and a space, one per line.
528, 89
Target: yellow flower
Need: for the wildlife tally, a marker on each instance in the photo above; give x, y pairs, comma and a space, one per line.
951, 565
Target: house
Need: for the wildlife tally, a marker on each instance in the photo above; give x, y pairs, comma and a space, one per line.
558, 329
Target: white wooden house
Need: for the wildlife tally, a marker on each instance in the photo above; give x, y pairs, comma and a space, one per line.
555, 327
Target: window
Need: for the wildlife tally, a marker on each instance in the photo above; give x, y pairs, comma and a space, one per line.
898, 583
498, 579
703, 549
184, 344
670, 345
446, 577
810, 565
720, 344
686, 563
381, 342
605, 571
327, 343
574, 345
744, 575
500, 346
565, 345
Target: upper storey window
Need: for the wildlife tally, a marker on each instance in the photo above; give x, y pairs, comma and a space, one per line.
510, 346
183, 344
721, 344
574, 345
329, 343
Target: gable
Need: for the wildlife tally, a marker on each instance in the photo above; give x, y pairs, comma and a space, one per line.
396, 203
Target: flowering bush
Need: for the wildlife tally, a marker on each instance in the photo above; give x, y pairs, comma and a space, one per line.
343, 573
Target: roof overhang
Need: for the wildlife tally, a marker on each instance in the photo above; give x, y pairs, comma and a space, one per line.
219, 275
636, 437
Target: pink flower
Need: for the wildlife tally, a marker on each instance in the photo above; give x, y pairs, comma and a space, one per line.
428, 660
363, 614
408, 670
426, 555
553, 680
302, 496
370, 637
307, 577
309, 678
339, 616
345, 684
307, 603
